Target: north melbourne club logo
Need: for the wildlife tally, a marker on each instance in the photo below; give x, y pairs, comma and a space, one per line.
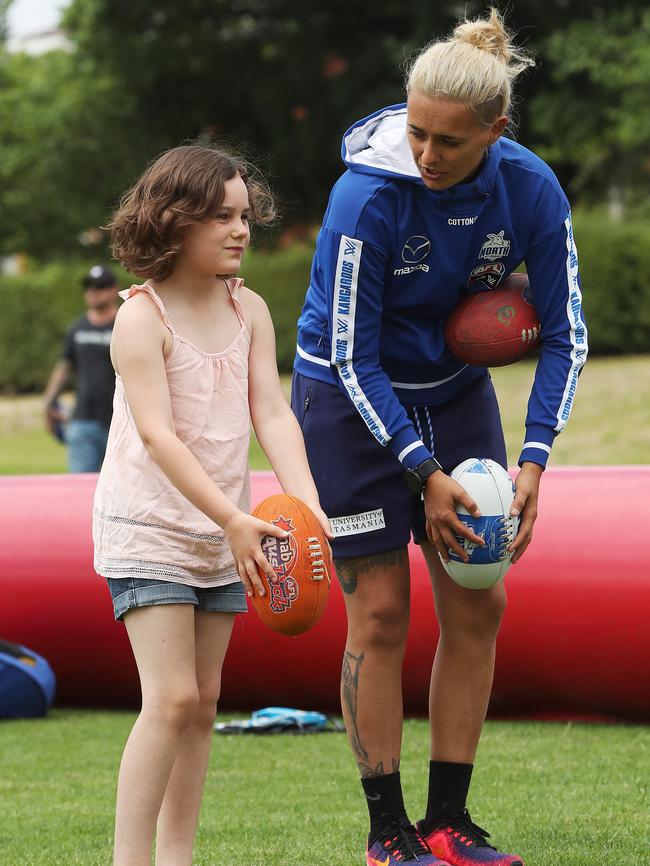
495, 247
415, 249
282, 554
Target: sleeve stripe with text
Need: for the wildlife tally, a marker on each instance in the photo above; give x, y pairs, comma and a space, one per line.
578, 332
346, 279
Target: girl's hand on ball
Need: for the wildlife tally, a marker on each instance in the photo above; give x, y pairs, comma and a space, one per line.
440, 497
244, 535
525, 505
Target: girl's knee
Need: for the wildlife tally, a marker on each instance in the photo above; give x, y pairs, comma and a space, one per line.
175, 707
206, 709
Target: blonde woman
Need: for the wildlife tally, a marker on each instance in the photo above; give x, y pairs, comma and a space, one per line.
435, 202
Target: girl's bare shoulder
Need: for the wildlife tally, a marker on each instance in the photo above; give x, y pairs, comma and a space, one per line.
140, 307
140, 319
254, 305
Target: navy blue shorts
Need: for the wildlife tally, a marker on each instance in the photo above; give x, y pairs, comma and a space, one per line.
361, 483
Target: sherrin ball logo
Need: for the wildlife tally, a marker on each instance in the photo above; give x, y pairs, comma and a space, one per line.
282, 554
491, 487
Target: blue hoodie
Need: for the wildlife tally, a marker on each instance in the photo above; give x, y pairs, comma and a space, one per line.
392, 260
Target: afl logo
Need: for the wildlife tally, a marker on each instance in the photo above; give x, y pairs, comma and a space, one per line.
415, 249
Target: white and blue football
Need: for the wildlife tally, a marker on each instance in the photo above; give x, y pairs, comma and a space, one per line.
492, 489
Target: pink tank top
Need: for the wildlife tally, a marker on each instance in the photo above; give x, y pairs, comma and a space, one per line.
142, 525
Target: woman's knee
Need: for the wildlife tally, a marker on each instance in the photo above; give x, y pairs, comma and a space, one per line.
474, 616
381, 624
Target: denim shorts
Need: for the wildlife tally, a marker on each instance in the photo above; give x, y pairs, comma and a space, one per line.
361, 483
130, 592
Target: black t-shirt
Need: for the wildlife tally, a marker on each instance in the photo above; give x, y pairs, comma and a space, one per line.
87, 348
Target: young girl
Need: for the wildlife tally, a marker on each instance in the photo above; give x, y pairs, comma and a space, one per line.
193, 351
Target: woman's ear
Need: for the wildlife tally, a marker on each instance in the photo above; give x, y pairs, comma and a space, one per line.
497, 128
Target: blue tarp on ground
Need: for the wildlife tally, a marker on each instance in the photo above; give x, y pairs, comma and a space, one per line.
27, 683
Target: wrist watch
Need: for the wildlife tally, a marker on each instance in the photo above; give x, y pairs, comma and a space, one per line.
416, 478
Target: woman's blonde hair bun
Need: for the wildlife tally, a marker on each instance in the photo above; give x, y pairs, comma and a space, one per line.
475, 66
490, 34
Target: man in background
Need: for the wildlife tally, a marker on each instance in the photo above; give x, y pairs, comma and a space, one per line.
86, 354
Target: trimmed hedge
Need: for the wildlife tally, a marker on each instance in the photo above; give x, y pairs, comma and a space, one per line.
282, 279
615, 274
35, 308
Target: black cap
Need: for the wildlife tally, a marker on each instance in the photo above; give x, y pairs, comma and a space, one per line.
99, 277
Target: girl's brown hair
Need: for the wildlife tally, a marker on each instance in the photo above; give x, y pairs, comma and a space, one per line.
182, 186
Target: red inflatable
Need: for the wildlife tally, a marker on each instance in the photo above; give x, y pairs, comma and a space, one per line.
575, 642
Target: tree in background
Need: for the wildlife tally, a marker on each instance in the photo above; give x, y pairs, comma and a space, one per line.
4, 33
61, 149
286, 78
595, 118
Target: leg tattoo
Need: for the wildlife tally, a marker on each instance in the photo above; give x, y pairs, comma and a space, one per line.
349, 570
347, 575
368, 772
350, 683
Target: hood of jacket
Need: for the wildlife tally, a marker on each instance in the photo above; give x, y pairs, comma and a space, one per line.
378, 145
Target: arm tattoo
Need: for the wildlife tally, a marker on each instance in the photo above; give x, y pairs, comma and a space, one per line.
350, 569
350, 684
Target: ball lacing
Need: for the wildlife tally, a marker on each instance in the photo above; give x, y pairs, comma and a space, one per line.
316, 556
509, 526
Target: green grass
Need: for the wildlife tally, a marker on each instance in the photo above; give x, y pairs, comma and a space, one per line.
610, 419
609, 424
31, 452
27, 449
560, 794
35, 452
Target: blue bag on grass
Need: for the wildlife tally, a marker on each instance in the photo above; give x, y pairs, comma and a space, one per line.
27, 683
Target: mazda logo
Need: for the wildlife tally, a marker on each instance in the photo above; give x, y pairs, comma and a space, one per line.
415, 249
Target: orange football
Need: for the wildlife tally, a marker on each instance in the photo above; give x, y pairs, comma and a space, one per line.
296, 596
